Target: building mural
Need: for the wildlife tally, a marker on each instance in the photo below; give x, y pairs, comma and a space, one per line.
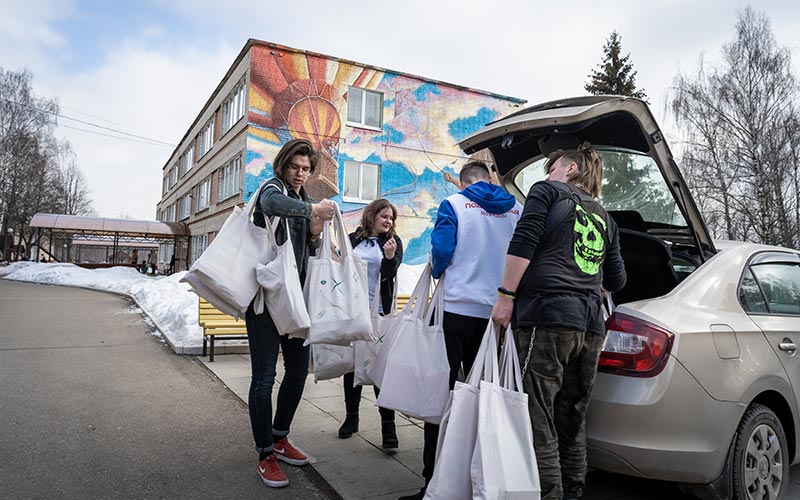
304, 95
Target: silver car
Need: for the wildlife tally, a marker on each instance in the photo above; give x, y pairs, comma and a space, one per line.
699, 378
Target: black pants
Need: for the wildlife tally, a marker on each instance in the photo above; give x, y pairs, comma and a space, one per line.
352, 398
462, 337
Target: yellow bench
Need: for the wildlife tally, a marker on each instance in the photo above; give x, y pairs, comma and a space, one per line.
217, 324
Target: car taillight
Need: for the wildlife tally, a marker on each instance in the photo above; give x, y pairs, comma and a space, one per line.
634, 347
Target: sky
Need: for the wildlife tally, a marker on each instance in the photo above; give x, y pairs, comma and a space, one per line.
147, 67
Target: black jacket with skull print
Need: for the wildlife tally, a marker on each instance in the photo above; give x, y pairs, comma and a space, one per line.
573, 246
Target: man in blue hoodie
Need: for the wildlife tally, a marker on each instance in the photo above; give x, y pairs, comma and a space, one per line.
472, 232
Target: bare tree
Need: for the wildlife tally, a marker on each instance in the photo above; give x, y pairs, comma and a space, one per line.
742, 131
37, 173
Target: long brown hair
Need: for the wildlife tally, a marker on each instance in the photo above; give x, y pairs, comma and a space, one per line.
370, 214
291, 149
590, 167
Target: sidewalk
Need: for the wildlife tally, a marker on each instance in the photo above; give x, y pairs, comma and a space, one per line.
357, 468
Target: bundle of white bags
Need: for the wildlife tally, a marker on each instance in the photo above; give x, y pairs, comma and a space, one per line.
485, 447
412, 370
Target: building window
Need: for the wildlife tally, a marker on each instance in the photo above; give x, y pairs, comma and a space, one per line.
234, 106
206, 138
204, 194
229, 179
199, 245
185, 206
187, 160
165, 186
171, 213
362, 181
364, 107
173, 175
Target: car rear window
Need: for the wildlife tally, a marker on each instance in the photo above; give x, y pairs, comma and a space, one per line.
631, 182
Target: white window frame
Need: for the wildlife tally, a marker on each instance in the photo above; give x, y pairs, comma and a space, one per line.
185, 206
165, 184
204, 194
199, 245
206, 139
360, 198
356, 93
173, 175
228, 178
187, 160
233, 109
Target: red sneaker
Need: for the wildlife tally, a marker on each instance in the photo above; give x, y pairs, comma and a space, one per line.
271, 474
285, 451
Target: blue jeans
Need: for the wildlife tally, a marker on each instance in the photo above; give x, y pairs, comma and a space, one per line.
264, 342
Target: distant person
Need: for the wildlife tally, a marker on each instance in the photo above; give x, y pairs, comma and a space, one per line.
293, 165
377, 244
43, 260
151, 261
564, 253
472, 228
143, 268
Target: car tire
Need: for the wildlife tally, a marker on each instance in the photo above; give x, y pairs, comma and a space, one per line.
760, 460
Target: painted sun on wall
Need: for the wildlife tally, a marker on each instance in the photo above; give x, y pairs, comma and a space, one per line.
380, 134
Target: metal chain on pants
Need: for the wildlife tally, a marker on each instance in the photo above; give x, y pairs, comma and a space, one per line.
530, 351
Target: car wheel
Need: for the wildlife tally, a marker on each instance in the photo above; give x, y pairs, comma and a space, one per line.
761, 456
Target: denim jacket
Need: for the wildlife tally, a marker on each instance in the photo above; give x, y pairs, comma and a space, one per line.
297, 210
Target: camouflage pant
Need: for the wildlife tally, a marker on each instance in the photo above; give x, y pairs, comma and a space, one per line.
559, 382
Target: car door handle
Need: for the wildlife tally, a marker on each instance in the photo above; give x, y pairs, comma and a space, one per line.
787, 346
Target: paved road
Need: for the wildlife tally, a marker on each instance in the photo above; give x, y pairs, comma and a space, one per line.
93, 406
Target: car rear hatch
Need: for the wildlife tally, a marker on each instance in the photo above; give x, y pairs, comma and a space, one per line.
619, 125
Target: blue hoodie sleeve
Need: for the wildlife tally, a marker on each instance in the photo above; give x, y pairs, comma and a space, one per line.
443, 238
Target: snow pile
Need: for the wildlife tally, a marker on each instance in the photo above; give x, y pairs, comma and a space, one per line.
171, 305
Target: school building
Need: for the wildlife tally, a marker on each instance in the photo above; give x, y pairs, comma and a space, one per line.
381, 133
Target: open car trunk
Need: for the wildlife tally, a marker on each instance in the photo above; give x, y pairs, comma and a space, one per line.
663, 237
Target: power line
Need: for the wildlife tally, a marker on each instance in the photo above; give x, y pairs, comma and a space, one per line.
108, 121
89, 123
116, 136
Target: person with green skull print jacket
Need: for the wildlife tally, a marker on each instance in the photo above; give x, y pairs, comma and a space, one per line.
563, 257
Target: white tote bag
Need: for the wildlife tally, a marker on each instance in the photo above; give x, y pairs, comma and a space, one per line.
504, 463
331, 361
416, 306
416, 381
367, 350
336, 291
281, 284
228, 266
459, 428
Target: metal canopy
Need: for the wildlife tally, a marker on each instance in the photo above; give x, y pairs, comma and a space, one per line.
94, 227
119, 232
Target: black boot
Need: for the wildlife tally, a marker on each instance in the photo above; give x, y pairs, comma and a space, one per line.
389, 435
349, 426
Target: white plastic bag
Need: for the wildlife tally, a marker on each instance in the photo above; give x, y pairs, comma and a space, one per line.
336, 291
227, 268
282, 291
367, 350
331, 361
416, 381
416, 306
504, 463
459, 428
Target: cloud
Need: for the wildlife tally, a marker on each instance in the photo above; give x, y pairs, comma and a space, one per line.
151, 67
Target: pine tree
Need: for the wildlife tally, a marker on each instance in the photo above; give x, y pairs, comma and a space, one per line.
615, 75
